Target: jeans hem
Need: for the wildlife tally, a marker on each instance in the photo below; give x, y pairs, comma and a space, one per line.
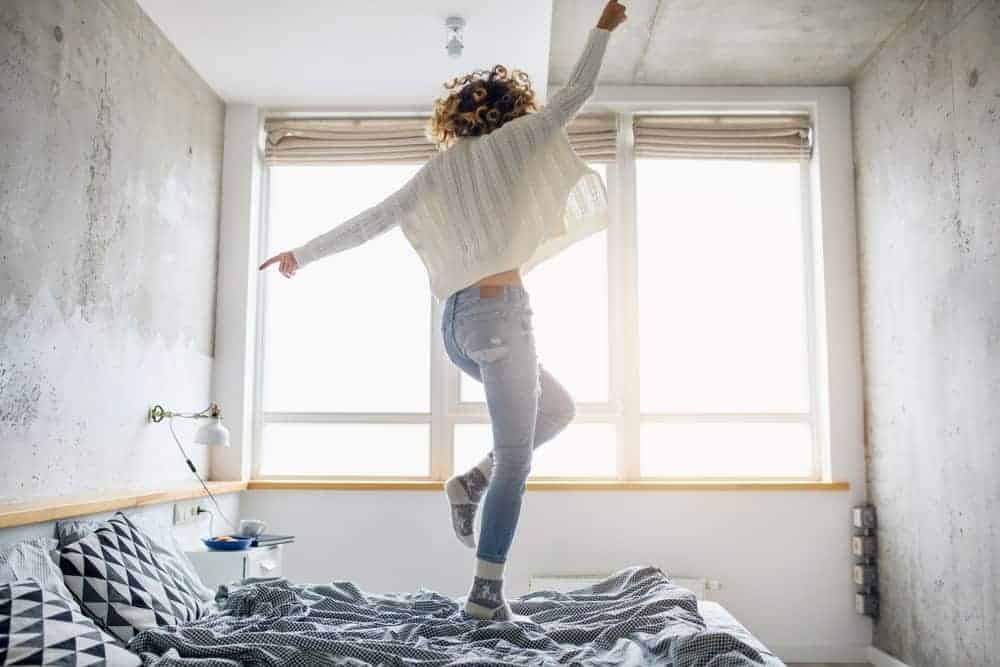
492, 559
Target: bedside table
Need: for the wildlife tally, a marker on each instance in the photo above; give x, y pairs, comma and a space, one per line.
223, 567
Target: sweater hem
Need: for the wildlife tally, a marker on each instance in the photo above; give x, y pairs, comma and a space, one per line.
480, 271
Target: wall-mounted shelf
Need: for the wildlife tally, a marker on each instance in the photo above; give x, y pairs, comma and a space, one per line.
62, 507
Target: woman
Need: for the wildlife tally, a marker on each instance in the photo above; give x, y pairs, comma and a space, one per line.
505, 192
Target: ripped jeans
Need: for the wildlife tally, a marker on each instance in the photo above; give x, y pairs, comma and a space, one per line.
491, 338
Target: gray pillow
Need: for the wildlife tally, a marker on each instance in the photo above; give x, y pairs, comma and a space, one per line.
161, 537
33, 559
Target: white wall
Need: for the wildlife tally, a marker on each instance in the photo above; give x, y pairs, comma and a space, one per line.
782, 557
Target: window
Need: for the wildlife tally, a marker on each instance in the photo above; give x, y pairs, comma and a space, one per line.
349, 336
684, 333
723, 331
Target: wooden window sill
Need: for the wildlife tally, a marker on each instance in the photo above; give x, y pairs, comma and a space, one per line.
545, 485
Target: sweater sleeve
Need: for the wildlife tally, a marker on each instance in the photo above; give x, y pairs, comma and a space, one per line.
567, 101
364, 226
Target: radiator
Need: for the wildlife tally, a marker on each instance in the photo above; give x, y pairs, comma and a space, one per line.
564, 583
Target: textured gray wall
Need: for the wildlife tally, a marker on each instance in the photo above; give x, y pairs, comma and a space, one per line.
110, 167
927, 146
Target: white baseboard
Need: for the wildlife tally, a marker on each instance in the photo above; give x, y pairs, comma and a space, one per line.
835, 654
879, 658
821, 653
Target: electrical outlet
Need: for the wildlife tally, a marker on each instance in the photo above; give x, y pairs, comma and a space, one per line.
864, 545
186, 512
866, 604
865, 574
863, 516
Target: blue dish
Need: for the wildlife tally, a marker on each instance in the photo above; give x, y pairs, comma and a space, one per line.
237, 544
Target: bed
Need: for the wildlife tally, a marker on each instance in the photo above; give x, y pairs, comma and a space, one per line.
140, 597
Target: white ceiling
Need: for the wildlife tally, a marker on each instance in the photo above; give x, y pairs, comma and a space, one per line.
349, 55
313, 54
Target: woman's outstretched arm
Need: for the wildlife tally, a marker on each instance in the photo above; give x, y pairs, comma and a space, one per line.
364, 226
579, 86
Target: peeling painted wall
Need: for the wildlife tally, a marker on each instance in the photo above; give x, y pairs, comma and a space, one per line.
927, 145
110, 171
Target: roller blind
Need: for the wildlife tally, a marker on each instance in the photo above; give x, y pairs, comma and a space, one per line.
763, 137
593, 137
399, 140
347, 140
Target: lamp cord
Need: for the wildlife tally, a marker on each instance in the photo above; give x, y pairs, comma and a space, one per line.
170, 423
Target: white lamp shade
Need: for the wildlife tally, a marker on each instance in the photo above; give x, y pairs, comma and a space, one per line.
213, 433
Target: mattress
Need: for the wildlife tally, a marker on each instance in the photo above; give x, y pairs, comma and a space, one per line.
718, 617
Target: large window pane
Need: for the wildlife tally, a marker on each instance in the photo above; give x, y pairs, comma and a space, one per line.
721, 290
569, 300
345, 449
725, 449
350, 332
582, 450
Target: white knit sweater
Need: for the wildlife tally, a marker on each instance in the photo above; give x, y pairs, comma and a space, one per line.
508, 199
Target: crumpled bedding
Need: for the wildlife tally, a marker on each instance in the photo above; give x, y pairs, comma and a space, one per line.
635, 616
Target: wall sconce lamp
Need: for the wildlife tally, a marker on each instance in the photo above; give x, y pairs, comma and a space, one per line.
453, 35
213, 433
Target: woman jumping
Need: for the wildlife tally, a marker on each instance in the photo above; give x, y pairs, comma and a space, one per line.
504, 192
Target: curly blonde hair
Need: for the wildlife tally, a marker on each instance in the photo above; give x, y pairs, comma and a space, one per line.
478, 103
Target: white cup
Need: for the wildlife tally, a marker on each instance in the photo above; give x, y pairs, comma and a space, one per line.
252, 527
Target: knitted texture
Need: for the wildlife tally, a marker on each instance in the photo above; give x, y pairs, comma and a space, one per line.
508, 199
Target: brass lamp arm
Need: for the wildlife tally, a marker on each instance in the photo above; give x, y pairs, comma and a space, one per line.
158, 413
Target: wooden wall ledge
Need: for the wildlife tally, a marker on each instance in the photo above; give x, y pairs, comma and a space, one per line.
544, 485
63, 507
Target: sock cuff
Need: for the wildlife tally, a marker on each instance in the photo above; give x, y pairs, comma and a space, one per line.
489, 570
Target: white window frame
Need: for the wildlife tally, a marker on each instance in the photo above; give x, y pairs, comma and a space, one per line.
833, 307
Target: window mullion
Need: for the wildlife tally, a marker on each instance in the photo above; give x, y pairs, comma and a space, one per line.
347, 417
626, 289
442, 434
263, 246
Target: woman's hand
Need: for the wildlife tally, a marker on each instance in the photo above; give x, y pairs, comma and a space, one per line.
288, 266
612, 16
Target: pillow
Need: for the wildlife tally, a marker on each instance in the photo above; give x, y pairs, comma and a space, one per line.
161, 536
33, 558
122, 582
39, 627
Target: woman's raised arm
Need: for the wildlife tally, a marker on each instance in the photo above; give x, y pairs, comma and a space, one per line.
579, 86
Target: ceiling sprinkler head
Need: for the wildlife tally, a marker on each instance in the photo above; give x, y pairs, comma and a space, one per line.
453, 30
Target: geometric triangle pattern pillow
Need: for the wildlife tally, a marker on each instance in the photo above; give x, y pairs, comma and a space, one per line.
38, 627
123, 584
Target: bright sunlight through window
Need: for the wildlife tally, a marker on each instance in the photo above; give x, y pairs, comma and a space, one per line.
719, 339
722, 319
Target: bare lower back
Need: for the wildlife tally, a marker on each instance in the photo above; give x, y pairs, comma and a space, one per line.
511, 277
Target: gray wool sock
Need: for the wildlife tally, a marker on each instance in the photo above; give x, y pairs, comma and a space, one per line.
485, 599
464, 492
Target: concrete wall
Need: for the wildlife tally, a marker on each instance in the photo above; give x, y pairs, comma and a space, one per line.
927, 146
110, 161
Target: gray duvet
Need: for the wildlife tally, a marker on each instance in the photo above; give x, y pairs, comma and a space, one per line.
634, 617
